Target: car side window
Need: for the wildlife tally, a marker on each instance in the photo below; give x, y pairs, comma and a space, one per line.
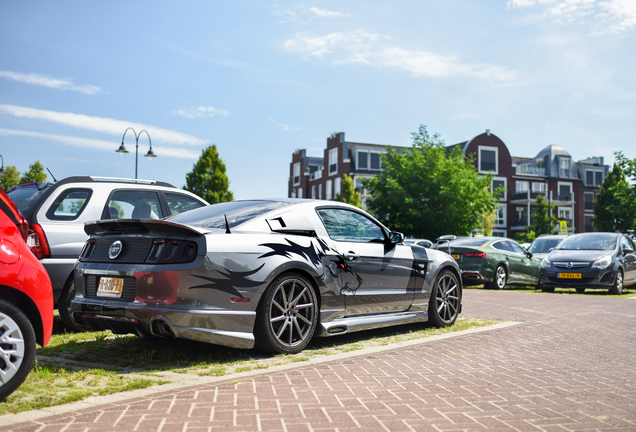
502, 246
350, 226
181, 203
134, 204
625, 244
517, 248
69, 204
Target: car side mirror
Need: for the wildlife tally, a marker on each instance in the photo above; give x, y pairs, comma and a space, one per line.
628, 250
396, 237
529, 254
551, 249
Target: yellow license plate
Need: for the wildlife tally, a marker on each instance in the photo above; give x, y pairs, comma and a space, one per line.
110, 287
569, 275
456, 256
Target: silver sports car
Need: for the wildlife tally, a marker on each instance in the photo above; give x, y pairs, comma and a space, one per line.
270, 273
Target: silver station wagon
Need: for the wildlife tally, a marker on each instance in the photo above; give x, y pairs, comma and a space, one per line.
270, 273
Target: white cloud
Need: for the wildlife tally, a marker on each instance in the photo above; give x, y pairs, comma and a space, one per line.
372, 50
322, 13
101, 124
111, 146
55, 83
284, 126
607, 16
202, 111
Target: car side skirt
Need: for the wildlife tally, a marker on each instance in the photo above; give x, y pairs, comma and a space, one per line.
367, 322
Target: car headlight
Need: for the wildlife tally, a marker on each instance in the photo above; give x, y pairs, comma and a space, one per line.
603, 262
545, 263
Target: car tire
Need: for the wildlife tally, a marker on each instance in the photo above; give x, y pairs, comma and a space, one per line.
617, 288
446, 299
580, 290
500, 279
64, 307
17, 348
282, 327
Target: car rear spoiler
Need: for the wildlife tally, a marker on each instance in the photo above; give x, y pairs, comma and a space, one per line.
139, 226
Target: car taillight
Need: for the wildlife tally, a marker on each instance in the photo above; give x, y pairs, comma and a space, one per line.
475, 254
165, 251
36, 241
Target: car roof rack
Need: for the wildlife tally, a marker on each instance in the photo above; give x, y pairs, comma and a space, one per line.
78, 179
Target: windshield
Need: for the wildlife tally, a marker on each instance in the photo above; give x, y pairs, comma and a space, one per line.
237, 212
589, 242
469, 241
544, 245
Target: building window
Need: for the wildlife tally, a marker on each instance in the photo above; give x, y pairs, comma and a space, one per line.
293, 193
375, 161
333, 161
300, 193
541, 188
320, 191
599, 178
565, 192
588, 223
521, 186
296, 173
498, 233
564, 167
336, 186
501, 216
589, 178
565, 213
313, 192
589, 201
488, 157
499, 182
363, 160
328, 190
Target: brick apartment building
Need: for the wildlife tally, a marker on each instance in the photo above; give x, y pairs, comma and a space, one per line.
570, 186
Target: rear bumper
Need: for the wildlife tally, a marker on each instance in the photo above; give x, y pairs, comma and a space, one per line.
220, 327
470, 277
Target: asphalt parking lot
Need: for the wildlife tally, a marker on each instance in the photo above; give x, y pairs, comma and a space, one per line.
567, 365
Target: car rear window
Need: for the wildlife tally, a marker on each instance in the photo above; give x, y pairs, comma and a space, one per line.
469, 241
237, 212
22, 195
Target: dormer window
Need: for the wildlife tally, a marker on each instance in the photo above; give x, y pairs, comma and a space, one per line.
487, 159
564, 167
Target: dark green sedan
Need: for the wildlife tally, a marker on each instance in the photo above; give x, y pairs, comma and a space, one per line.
494, 261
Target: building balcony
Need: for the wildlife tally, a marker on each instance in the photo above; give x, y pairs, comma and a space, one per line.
563, 199
524, 197
529, 170
315, 175
520, 223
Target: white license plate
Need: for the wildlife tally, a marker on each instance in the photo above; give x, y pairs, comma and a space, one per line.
110, 287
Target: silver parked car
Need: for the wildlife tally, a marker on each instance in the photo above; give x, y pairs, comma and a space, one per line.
56, 213
271, 273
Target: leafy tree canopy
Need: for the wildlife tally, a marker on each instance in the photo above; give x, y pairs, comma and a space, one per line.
542, 221
11, 177
615, 204
34, 174
208, 179
425, 192
349, 194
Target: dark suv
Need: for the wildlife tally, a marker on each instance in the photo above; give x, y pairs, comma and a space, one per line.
56, 213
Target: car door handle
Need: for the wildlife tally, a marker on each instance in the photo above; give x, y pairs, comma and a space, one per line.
351, 255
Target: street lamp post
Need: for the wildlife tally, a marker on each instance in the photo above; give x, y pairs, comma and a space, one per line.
2, 171
122, 148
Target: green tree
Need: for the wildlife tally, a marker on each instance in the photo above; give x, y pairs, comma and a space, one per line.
525, 237
615, 205
349, 193
488, 222
542, 221
34, 174
208, 179
426, 193
11, 177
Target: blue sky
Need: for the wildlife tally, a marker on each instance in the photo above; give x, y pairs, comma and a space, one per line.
261, 79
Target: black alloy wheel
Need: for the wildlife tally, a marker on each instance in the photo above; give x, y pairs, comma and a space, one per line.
445, 301
64, 307
287, 315
617, 288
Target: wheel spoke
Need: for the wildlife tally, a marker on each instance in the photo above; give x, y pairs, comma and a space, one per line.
291, 334
275, 303
282, 329
293, 303
284, 296
304, 306
303, 319
300, 332
278, 318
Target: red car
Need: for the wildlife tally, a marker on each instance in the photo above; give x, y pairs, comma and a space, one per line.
26, 300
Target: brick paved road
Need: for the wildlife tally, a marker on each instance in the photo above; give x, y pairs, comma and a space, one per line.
569, 366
